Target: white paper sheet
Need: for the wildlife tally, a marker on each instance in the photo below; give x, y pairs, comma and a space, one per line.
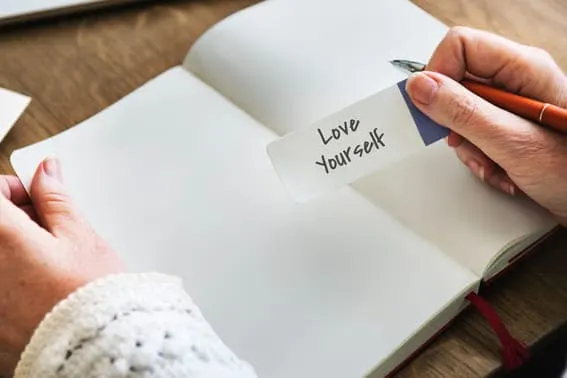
12, 105
291, 63
178, 180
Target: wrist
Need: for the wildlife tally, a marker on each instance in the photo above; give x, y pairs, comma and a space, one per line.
85, 312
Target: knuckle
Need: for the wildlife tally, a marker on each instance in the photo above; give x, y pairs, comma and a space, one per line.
541, 53
543, 76
463, 111
534, 60
56, 203
457, 32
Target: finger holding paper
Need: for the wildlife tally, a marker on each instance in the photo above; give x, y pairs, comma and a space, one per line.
501, 148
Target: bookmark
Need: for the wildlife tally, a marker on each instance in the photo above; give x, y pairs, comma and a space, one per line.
352, 143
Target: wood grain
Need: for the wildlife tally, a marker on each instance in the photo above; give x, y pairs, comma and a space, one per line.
73, 67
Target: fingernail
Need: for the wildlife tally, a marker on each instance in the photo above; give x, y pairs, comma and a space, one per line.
421, 88
508, 188
454, 140
476, 168
52, 168
481, 173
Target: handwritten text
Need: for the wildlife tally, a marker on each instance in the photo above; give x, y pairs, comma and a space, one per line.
346, 156
337, 132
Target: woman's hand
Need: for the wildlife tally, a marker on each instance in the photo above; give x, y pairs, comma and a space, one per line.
504, 150
46, 252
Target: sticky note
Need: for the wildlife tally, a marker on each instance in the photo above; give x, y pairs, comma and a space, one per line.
12, 105
352, 143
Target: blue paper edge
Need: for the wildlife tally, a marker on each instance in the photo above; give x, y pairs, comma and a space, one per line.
429, 130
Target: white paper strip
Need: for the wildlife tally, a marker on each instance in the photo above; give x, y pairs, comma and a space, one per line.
12, 105
360, 139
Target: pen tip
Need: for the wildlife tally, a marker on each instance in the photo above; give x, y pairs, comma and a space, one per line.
408, 66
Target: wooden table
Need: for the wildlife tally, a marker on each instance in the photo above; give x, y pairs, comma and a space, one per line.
74, 67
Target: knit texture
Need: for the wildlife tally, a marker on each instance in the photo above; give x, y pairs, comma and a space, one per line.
129, 325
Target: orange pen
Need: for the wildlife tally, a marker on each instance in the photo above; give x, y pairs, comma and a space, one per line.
547, 115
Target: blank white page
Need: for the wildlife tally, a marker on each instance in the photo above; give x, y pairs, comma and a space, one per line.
178, 181
290, 63
436, 196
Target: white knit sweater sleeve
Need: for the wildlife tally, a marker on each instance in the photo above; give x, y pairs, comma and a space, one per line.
128, 325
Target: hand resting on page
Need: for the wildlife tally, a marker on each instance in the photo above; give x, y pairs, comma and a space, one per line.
502, 149
39, 266
101, 321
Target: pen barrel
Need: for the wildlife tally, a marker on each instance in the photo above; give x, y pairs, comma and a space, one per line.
555, 117
545, 114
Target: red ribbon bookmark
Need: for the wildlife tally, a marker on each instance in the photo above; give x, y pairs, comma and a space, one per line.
514, 353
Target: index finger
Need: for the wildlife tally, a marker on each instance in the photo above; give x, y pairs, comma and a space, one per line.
12, 188
517, 68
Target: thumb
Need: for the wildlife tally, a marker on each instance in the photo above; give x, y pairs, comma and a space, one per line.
499, 134
51, 201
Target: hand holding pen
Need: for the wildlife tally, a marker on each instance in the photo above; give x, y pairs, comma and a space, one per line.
508, 151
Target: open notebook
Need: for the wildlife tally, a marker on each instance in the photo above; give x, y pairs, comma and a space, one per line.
176, 177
